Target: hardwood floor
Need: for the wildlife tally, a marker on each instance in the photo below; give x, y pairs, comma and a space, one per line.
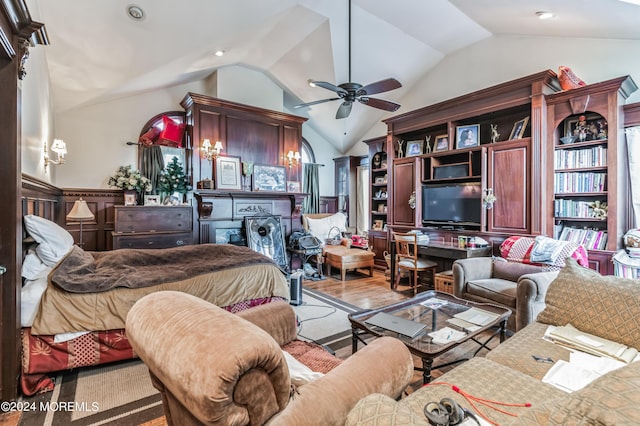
361, 290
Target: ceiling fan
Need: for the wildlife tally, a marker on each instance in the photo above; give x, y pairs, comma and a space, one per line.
350, 92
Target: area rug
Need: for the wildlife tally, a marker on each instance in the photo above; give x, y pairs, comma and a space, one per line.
324, 319
115, 394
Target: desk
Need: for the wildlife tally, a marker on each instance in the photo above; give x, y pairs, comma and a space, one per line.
449, 252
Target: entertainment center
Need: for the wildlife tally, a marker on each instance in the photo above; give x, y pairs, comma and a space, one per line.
543, 182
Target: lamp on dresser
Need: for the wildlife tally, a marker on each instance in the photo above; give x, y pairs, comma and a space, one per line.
80, 212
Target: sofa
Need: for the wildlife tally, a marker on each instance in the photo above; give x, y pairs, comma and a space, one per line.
603, 306
217, 368
519, 279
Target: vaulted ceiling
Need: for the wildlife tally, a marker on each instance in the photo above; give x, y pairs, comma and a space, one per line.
98, 53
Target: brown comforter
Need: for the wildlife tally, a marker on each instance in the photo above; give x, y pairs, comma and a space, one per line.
246, 278
89, 272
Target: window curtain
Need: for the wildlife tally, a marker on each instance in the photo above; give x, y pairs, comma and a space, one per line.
311, 186
362, 200
152, 164
633, 148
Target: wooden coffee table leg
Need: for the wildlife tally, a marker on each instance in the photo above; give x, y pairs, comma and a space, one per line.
427, 365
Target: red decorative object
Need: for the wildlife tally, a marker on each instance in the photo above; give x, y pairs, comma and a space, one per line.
172, 133
568, 80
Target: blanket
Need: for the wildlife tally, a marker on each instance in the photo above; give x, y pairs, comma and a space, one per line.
89, 272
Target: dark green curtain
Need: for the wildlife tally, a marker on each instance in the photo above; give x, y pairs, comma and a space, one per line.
152, 164
311, 186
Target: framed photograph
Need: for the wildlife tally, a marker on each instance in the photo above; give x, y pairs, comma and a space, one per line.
152, 200
378, 224
293, 186
130, 198
228, 173
467, 136
586, 127
518, 128
414, 148
269, 178
442, 143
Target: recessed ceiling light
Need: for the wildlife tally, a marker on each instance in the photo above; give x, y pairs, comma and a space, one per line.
544, 14
219, 52
135, 12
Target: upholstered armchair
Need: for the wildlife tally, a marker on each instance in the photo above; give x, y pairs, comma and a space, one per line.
519, 279
519, 287
217, 368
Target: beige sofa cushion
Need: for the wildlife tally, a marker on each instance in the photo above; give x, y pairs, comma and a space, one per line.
613, 399
606, 306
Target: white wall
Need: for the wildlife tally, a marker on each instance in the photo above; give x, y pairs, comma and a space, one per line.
37, 121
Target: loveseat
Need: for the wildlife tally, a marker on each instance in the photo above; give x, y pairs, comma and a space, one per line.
519, 279
603, 306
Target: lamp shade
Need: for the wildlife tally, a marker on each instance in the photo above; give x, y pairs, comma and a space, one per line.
80, 211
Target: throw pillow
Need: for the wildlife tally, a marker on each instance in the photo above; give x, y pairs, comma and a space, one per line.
54, 242
320, 227
605, 306
32, 266
172, 133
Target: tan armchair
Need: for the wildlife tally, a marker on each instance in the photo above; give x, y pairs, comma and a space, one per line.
519, 287
214, 367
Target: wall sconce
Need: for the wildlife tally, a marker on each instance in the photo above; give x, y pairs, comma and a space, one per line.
293, 156
80, 212
59, 147
211, 152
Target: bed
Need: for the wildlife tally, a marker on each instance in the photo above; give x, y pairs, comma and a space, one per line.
75, 302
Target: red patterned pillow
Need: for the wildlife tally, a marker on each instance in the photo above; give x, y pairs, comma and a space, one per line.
172, 133
518, 249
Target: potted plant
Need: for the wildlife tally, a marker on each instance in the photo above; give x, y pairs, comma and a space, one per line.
131, 182
173, 183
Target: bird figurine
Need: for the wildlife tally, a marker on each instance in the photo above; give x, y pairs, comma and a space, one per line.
568, 80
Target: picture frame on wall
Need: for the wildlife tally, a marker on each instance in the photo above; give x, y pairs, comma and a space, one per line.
518, 128
293, 186
467, 136
269, 178
228, 173
441, 144
414, 148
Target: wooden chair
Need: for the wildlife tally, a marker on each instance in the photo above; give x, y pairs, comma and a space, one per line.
407, 259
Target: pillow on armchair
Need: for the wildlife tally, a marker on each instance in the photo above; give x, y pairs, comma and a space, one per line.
320, 228
520, 249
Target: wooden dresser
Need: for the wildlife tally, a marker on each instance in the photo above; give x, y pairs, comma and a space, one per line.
152, 226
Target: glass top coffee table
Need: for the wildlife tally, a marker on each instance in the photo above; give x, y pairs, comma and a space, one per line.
439, 312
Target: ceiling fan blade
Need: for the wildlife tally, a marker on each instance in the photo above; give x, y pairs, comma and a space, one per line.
329, 86
380, 86
344, 110
315, 102
379, 103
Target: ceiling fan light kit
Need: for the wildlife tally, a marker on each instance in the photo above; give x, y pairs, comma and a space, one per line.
350, 92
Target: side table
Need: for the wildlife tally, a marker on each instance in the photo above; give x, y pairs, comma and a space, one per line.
444, 282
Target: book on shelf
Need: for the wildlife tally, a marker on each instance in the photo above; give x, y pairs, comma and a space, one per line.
591, 239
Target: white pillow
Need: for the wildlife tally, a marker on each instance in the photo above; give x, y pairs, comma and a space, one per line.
54, 242
30, 296
320, 227
32, 266
300, 373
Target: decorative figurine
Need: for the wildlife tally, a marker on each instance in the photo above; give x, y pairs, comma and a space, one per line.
427, 148
494, 133
400, 148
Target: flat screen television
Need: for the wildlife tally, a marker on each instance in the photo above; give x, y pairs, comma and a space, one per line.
452, 203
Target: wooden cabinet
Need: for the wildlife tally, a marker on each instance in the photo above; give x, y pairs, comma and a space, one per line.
588, 165
403, 190
508, 178
152, 226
